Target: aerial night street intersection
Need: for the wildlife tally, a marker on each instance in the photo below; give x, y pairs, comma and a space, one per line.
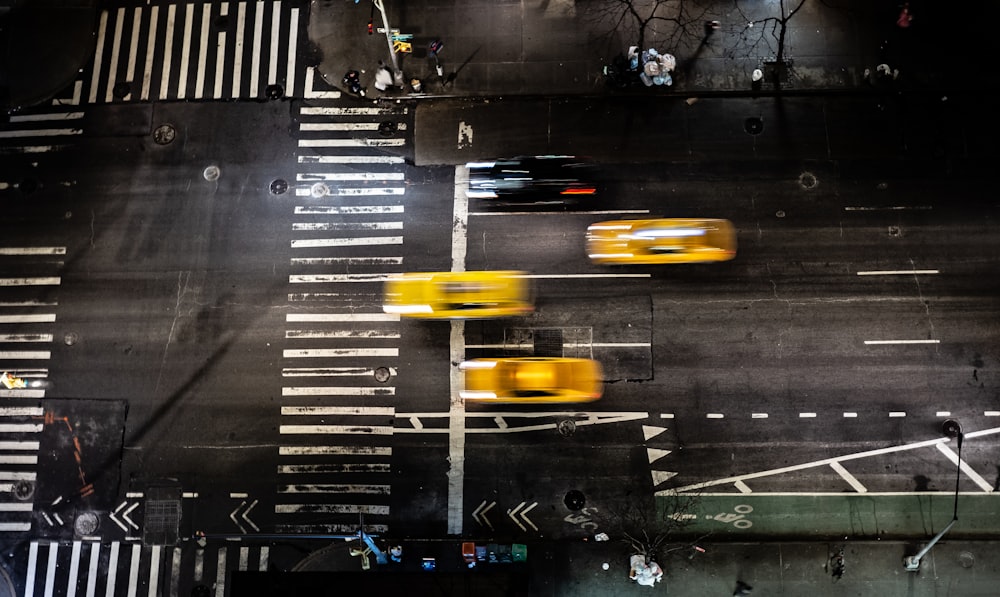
204, 378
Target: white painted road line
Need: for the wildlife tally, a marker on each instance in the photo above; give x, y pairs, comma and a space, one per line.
871, 342
340, 176
32, 250
324, 372
338, 410
39, 318
340, 317
889, 208
847, 476
313, 334
333, 278
567, 276
340, 352
335, 488
332, 509
375, 111
365, 142
337, 391
456, 405
900, 272
535, 213
348, 209
965, 468
40, 281
335, 450
346, 242
335, 429
350, 159
323, 226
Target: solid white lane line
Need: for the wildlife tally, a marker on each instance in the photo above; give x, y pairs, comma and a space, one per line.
133, 48
102, 30
115, 46
352, 317
168, 50
241, 18
348, 209
350, 159
338, 352
847, 476
185, 51
335, 430
334, 450
346, 242
220, 54
456, 405
336, 410
965, 468
337, 391
902, 341
293, 39
899, 272
258, 30
272, 66
154, 13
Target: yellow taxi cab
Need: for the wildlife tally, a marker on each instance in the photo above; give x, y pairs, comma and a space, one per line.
458, 295
532, 380
671, 240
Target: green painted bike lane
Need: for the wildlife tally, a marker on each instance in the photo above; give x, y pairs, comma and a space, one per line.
833, 516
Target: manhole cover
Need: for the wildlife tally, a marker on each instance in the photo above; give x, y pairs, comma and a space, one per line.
780, 213
966, 559
211, 173
882, 186
274, 92
23, 490
279, 186
753, 125
121, 89
86, 523
575, 500
382, 374
895, 231
566, 427
70, 338
164, 134
807, 180
387, 129
320, 189
951, 428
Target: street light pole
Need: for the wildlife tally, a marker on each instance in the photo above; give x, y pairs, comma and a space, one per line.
397, 74
950, 428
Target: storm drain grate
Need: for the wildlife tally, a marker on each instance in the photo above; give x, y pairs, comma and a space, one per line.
162, 518
548, 342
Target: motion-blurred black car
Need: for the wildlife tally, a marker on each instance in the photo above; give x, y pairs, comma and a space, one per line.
549, 178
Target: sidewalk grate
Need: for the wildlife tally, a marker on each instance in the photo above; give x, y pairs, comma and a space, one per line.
162, 518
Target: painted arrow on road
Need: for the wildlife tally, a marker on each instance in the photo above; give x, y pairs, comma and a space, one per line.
232, 516
124, 516
513, 514
481, 511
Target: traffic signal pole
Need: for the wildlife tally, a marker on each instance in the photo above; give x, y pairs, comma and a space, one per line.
397, 74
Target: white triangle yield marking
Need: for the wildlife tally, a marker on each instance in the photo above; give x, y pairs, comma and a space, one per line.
649, 431
661, 476
654, 454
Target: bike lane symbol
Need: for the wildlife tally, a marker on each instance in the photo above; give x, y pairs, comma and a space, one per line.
737, 517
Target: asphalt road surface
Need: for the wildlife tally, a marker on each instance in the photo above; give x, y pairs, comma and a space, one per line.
217, 359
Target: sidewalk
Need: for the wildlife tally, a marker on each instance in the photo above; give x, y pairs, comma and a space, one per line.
548, 47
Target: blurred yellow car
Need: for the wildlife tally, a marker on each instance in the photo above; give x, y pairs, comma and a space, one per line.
673, 240
532, 379
458, 295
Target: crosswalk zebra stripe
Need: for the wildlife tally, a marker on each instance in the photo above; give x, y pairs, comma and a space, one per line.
346, 261
50, 570
348, 209
335, 430
344, 176
38, 318
314, 334
334, 468
43, 118
20, 411
154, 571
332, 509
365, 142
375, 489
133, 571
220, 574
32, 250
39, 133
95, 557
23, 445
315, 317
32, 281
335, 278
320, 372
337, 391
337, 450
74, 569
343, 242
337, 410
353, 111
24, 354
336, 352
326, 226
350, 159
18, 428
25, 337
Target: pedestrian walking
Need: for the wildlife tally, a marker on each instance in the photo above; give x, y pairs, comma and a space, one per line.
742, 588
905, 16
710, 28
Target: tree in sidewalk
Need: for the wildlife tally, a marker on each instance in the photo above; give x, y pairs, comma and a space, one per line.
766, 35
645, 23
648, 525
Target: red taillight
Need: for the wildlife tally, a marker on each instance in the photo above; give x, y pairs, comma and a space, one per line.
579, 191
